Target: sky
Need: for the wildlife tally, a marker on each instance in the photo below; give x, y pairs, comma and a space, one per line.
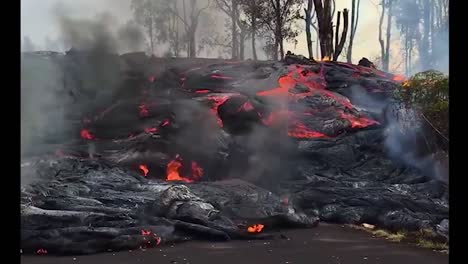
38, 21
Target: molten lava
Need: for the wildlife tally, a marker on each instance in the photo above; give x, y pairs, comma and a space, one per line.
151, 130
165, 123
399, 78
202, 91
218, 100
144, 169
255, 228
358, 122
299, 130
173, 171
85, 134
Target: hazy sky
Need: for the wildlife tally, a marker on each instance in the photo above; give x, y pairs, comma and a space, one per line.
38, 21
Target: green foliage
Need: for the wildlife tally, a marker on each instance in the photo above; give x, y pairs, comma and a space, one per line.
428, 92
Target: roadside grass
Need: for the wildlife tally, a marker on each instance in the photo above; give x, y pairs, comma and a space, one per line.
423, 238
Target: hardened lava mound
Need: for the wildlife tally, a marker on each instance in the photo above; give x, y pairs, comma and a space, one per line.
219, 150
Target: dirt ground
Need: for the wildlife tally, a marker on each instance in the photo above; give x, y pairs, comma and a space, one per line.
332, 244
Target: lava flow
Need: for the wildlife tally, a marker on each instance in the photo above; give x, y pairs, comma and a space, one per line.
85, 134
255, 228
144, 169
175, 165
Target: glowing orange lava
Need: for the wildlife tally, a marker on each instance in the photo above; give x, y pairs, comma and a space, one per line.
299, 130
217, 102
173, 171
151, 130
144, 169
255, 228
85, 134
202, 91
399, 78
358, 122
165, 123
145, 232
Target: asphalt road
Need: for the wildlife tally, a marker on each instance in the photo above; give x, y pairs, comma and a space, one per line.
331, 244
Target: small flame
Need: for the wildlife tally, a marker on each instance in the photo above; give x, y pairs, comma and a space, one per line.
326, 58
85, 134
41, 251
144, 169
255, 228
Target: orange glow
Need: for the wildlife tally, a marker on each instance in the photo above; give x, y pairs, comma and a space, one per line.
202, 91
255, 228
145, 232
301, 131
197, 171
217, 102
144, 169
398, 78
151, 130
326, 58
85, 134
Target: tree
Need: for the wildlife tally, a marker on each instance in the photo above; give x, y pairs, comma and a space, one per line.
190, 20
278, 16
385, 45
308, 21
324, 10
231, 9
150, 14
340, 44
354, 24
252, 11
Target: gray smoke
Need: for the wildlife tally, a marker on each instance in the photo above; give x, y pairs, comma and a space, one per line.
403, 132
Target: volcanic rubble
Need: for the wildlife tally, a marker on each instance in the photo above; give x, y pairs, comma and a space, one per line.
225, 150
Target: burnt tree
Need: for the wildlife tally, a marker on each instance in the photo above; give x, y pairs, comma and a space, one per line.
325, 26
340, 44
354, 24
231, 9
385, 44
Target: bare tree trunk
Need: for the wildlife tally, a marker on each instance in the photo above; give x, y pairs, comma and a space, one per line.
235, 43
279, 33
339, 45
325, 27
254, 30
354, 23
424, 48
151, 36
381, 41
308, 21
242, 45
389, 34
186, 28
